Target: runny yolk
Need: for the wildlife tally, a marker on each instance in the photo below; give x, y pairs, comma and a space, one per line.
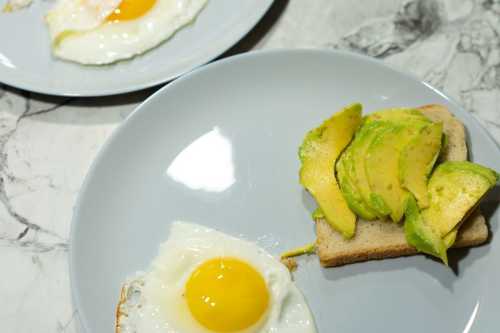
131, 9
226, 295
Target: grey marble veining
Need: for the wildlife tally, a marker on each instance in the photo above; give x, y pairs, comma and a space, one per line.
47, 143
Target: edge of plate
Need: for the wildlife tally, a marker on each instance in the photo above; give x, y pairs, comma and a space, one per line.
259, 53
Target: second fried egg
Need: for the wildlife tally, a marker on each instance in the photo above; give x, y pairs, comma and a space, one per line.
97, 32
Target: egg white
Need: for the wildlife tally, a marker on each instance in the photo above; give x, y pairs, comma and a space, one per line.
13, 5
159, 292
78, 15
80, 33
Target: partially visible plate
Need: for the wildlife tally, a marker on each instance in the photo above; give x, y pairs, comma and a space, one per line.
26, 61
227, 159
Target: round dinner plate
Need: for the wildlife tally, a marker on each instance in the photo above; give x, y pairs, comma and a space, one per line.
26, 61
218, 147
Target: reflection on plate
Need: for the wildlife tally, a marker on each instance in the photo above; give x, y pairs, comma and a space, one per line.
206, 164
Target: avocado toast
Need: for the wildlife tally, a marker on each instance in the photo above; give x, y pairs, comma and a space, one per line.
391, 176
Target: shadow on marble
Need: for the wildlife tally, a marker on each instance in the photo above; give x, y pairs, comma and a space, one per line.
72, 110
250, 41
104, 101
132, 98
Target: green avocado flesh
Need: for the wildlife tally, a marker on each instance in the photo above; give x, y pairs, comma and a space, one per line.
417, 159
347, 182
420, 235
352, 170
396, 115
318, 154
454, 189
449, 239
382, 167
356, 164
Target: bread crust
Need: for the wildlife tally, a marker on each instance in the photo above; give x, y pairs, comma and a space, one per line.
333, 250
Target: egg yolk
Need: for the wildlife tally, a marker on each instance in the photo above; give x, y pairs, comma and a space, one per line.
131, 9
226, 295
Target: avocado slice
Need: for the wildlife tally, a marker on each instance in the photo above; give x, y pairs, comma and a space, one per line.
317, 214
396, 115
382, 167
348, 186
455, 188
417, 159
449, 239
420, 235
318, 154
356, 163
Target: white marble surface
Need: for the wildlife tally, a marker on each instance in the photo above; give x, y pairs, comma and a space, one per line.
47, 143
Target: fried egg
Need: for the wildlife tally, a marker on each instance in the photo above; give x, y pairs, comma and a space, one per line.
13, 5
205, 281
104, 31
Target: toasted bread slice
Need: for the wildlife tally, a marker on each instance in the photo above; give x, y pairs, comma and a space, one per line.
379, 240
384, 239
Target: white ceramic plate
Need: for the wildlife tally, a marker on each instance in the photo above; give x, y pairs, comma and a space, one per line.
26, 61
225, 155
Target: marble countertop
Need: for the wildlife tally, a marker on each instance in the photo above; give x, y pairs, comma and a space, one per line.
47, 143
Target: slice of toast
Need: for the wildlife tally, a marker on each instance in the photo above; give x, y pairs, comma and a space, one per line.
385, 239
379, 240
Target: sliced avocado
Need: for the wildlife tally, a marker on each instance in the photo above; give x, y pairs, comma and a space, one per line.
417, 159
449, 239
348, 186
382, 167
455, 188
396, 114
317, 214
356, 163
305, 249
318, 154
420, 235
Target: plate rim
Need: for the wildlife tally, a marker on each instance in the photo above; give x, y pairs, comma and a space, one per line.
76, 301
210, 54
